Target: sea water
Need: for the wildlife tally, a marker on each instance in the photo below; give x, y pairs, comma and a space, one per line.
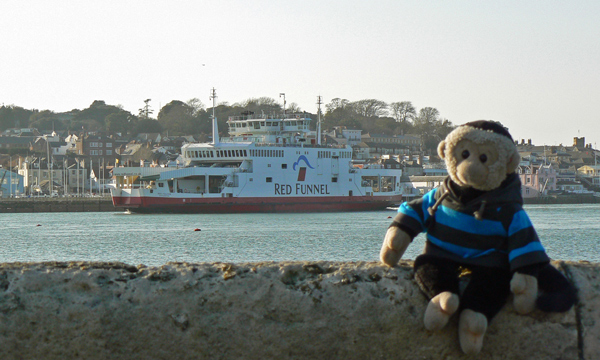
568, 232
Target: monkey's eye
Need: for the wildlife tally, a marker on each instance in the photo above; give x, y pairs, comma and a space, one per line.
483, 158
465, 154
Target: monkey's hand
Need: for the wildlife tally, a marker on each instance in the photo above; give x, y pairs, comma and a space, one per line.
394, 245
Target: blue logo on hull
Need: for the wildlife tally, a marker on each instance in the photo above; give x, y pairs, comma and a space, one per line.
303, 158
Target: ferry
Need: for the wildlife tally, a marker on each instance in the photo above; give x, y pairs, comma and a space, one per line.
268, 164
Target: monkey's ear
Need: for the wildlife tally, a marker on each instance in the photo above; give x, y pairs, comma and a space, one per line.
513, 163
441, 148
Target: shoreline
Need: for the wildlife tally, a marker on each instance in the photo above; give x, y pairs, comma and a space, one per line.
75, 204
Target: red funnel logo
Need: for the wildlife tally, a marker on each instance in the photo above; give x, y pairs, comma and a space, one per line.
302, 174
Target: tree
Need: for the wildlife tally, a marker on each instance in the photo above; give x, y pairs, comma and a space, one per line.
336, 104
431, 128
370, 108
14, 116
338, 111
46, 120
121, 122
95, 113
196, 105
403, 111
178, 118
259, 105
147, 126
145, 112
427, 116
293, 108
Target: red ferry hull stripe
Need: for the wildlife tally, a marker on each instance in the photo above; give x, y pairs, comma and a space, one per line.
266, 204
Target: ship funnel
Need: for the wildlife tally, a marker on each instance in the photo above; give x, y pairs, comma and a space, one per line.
215, 131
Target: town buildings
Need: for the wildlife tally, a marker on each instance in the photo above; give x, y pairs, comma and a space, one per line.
77, 163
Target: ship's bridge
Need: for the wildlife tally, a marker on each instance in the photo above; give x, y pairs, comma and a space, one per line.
250, 125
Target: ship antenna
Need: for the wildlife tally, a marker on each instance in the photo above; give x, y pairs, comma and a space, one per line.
280, 95
215, 126
319, 102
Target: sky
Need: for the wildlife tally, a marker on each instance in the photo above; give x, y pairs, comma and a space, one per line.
532, 65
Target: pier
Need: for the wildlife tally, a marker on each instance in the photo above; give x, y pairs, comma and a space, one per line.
283, 310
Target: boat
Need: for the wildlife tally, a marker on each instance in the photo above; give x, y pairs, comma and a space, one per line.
268, 164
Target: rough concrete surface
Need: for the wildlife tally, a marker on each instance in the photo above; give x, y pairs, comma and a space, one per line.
271, 310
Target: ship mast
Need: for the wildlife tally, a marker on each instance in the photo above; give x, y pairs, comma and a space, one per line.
319, 102
215, 126
280, 95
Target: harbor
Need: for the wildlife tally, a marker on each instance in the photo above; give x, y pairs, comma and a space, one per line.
568, 232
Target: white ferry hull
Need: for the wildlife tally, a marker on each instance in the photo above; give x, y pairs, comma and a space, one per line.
280, 173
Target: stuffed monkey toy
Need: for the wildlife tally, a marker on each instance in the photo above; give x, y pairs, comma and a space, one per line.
475, 222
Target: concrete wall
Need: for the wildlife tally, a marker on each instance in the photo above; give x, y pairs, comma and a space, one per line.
287, 310
28, 205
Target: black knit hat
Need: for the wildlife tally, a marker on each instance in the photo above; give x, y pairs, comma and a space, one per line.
490, 125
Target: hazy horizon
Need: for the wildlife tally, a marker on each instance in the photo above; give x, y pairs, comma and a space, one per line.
531, 65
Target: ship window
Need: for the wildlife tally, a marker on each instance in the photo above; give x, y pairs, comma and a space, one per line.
284, 166
269, 179
268, 123
333, 179
161, 184
262, 123
245, 153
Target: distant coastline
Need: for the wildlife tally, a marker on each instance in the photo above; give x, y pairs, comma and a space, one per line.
563, 199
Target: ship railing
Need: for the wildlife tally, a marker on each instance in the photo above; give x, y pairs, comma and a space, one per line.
298, 145
269, 117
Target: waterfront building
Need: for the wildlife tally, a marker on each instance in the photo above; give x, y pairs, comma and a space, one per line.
11, 183
41, 177
590, 174
537, 179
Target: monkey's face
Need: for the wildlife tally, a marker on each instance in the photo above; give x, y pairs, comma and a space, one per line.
477, 165
477, 158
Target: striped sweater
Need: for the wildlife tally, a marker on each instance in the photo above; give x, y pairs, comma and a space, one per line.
487, 228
